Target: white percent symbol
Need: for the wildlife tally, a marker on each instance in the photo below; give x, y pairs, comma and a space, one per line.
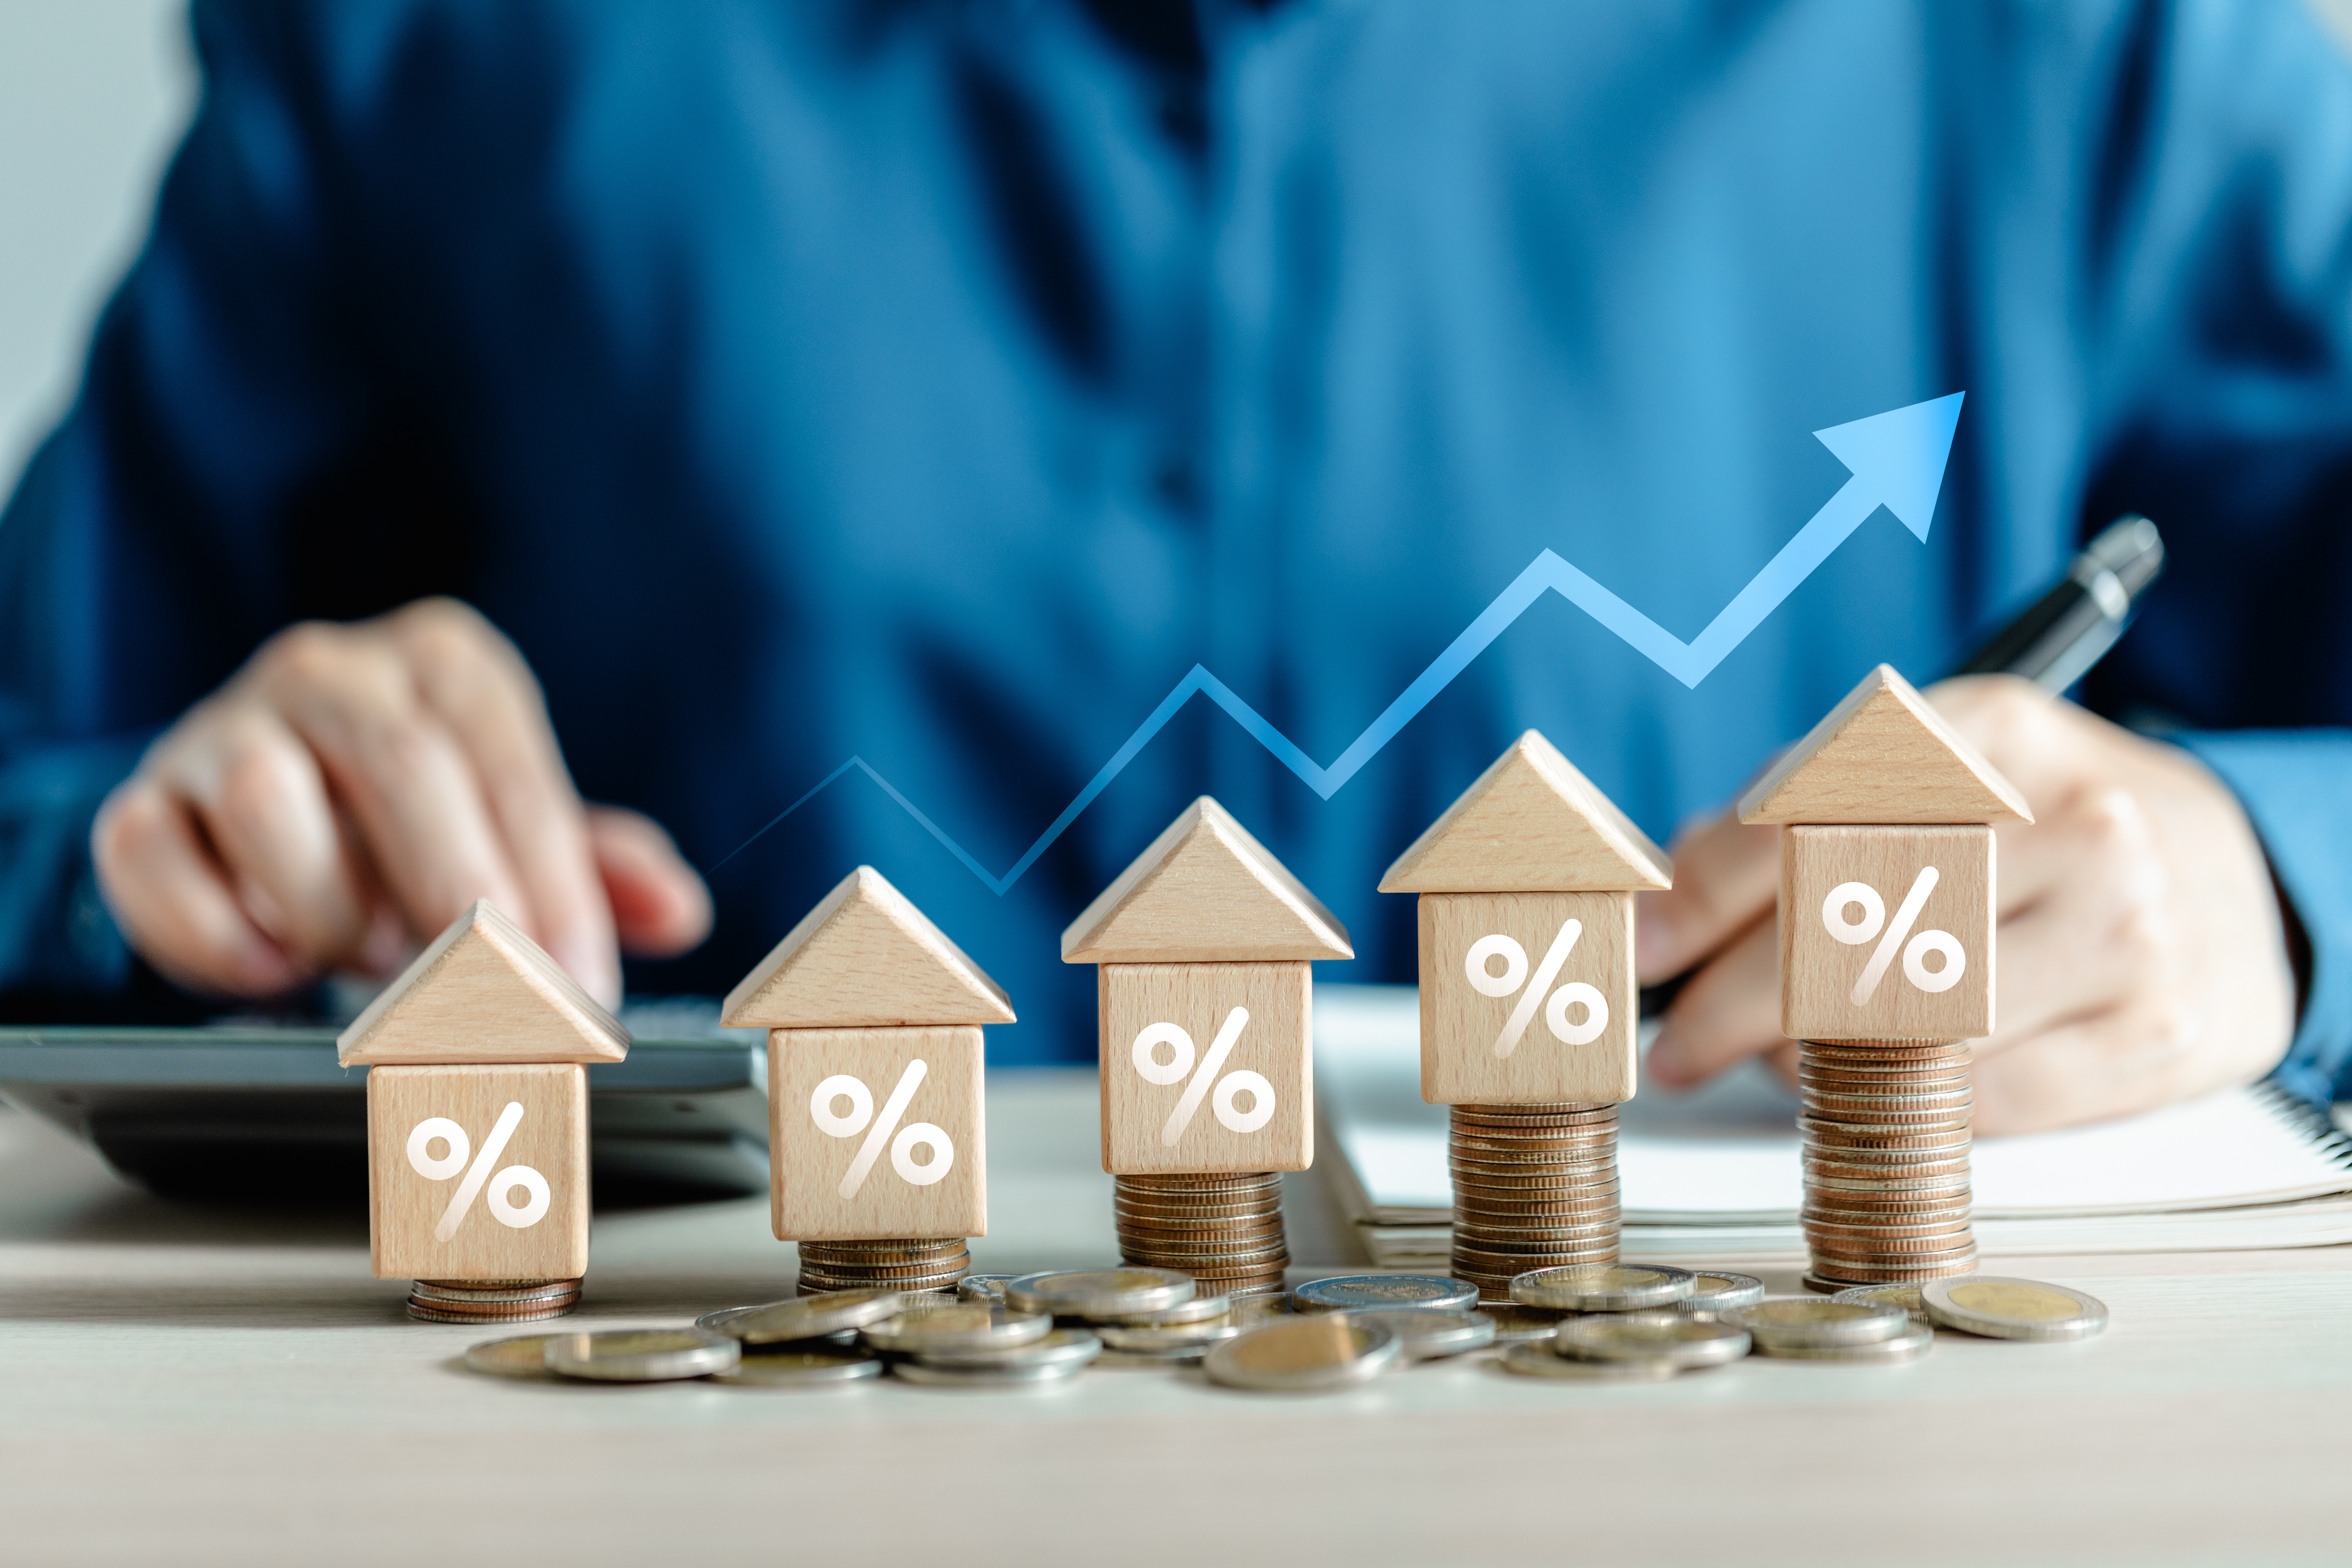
902, 1147
1230, 1088
513, 1216
1854, 933
1486, 983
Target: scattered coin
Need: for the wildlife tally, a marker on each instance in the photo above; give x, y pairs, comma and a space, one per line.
1514, 1323
1910, 1343
1713, 1290
1068, 1348
1354, 1292
1305, 1354
939, 1374
1429, 1332
524, 1355
1531, 1359
1088, 1292
1602, 1287
801, 1369
641, 1355
808, 1317
1679, 1340
1250, 1311
1178, 1337
2004, 1309
982, 1287
1904, 1296
957, 1326
1199, 1310
1810, 1323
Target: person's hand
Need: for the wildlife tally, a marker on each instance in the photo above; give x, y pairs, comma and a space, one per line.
2142, 958
351, 791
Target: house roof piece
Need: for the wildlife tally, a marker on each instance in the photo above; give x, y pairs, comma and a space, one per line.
1531, 824
484, 992
865, 958
1883, 755
1204, 892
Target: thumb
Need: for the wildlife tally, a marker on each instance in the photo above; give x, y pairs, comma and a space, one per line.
661, 906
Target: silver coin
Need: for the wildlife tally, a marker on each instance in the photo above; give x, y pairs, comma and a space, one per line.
1904, 1296
810, 1317
1714, 1291
1602, 1287
1086, 1292
1810, 1322
1529, 1359
801, 1369
522, 1355
1071, 1348
983, 1287
2004, 1309
1195, 1337
935, 1375
1668, 1336
1515, 1324
957, 1326
1199, 1310
1429, 1332
1910, 1344
1305, 1354
1372, 1292
641, 1355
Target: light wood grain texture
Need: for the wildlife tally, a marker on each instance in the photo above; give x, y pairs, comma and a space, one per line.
1204, 892
943, 1119
1819, 973
865, 956
1460, 1026
409, 1211
1883, 755
483, 992
1274, 1042
1531, 823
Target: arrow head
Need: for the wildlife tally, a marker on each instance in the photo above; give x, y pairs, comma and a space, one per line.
1899, 456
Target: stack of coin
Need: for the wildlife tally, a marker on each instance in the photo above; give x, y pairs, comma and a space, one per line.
1535, 1187
490, 1301
883, 1265
1885, 1126
1223, 1231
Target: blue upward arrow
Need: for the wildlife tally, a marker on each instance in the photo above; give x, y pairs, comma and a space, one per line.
1898, 461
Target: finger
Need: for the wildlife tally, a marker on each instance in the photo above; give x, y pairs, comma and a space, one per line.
404, 778
661, 906
171, 898
2116, 1062
473, 679
1728, 1012
263, 807
2068, 957
1726, 874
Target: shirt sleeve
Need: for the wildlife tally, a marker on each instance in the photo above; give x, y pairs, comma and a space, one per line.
2294, 786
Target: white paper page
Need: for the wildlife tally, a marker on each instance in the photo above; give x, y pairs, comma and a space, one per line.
1728, 1153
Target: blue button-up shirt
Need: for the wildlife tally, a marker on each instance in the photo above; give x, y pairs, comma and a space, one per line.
936, 384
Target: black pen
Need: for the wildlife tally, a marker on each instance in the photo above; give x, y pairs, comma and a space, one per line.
2056, 642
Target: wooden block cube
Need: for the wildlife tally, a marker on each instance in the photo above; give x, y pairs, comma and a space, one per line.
1527, 998
1886, 933
478, 1173
876, 1134
1207, 1068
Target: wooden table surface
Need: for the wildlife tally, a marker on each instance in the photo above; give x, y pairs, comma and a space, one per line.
182, 1383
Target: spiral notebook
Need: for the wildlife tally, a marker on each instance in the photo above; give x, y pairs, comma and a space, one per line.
1713, 1173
